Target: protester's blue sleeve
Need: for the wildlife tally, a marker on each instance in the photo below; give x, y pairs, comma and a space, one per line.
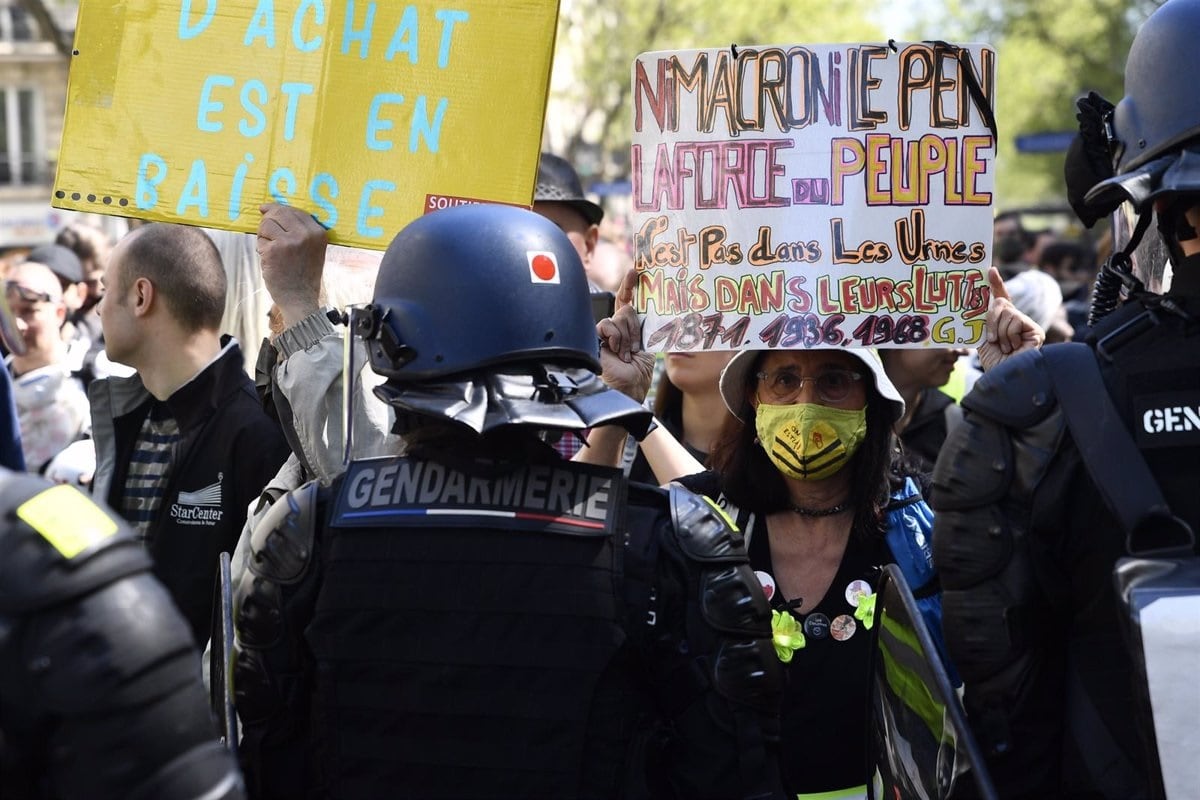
11, 454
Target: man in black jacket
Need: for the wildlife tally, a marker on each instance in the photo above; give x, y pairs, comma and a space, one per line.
183, 446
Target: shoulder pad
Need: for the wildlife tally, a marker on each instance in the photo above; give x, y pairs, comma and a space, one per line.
975, 466
282, 542
117, 648
703, 531
1017, 393
58, 544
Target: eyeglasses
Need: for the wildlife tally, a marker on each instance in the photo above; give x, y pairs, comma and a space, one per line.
25, 293
785, 385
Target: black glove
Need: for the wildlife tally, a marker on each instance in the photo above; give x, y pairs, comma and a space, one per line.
1089, 159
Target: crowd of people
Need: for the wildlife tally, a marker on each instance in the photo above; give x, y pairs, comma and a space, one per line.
535, 561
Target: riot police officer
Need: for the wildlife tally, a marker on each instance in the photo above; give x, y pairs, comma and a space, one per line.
1049, 482
100, 690
475, 617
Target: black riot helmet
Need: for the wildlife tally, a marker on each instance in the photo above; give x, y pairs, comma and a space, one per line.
1153, 139
1161, 108
1154, 131
479, 286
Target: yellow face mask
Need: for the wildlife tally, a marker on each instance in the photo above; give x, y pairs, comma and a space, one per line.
807, 441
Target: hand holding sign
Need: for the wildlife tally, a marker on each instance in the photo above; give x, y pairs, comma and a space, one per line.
627, 367
291, 246
1006, 330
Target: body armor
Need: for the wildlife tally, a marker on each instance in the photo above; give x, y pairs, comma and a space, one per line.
100, 691
1026, 546
528, 632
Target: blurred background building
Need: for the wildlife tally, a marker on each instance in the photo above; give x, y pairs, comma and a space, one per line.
35, 54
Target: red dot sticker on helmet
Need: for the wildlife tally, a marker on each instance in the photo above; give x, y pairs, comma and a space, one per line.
543, 266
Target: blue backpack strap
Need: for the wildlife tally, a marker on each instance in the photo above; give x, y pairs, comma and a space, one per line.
909, 537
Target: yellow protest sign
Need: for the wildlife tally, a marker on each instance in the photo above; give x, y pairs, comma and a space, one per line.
367, 114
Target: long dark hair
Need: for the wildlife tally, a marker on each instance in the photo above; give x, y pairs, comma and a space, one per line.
751, 482
668, 401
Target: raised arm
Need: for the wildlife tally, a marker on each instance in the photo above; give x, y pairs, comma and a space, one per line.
1007, 331
628, 368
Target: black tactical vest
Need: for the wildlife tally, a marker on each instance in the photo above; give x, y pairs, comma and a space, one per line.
482, 614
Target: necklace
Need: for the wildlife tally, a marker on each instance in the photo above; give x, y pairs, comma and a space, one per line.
821, 512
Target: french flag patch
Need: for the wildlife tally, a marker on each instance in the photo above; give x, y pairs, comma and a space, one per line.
543, 266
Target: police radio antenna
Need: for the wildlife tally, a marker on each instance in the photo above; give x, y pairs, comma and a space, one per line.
1117, 274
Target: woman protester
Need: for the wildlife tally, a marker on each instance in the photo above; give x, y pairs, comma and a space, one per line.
687, 402
807, 469
807, 466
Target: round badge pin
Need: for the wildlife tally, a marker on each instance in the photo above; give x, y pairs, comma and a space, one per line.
768, 583
855, 590
842, 627
816, 626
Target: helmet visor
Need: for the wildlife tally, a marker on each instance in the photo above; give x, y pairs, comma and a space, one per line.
1150, 258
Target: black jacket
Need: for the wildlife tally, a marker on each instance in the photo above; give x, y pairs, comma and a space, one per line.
229, 450
926, 431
